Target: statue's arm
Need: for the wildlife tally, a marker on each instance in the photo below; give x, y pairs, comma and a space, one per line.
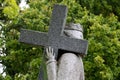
51, 64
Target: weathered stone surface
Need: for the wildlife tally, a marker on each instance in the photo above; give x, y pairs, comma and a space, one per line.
73, 34
72, 26
70, 67
54, 37
51, 70
33, 37
51, 64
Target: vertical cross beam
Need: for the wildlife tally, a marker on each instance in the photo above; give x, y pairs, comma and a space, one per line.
54, 37
58, 21
57, 24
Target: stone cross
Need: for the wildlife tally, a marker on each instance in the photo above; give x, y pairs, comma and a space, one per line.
54, 37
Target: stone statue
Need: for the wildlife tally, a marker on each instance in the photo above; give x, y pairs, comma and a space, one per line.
64, 62
69, 66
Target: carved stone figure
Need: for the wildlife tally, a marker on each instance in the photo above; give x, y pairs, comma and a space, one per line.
64, 62
69, 66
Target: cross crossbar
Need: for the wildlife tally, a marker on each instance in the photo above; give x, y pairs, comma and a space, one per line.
54, 36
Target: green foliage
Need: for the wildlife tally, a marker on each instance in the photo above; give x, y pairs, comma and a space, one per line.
1, 77
105, 7
11, 9
103, 33
103, 54
22, 61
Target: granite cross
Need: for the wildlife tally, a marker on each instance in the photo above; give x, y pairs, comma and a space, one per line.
54, 37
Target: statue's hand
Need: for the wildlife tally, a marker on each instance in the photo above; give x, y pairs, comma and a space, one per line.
50, 53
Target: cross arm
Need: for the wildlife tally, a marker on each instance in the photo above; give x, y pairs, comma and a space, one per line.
74, 45
33, 37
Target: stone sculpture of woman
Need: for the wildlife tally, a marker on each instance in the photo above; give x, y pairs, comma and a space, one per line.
69, 66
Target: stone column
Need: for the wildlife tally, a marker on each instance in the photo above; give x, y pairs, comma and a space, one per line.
70, 65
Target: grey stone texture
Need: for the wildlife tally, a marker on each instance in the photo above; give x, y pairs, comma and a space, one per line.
51, 64
70, 67
72, 26
54, 37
